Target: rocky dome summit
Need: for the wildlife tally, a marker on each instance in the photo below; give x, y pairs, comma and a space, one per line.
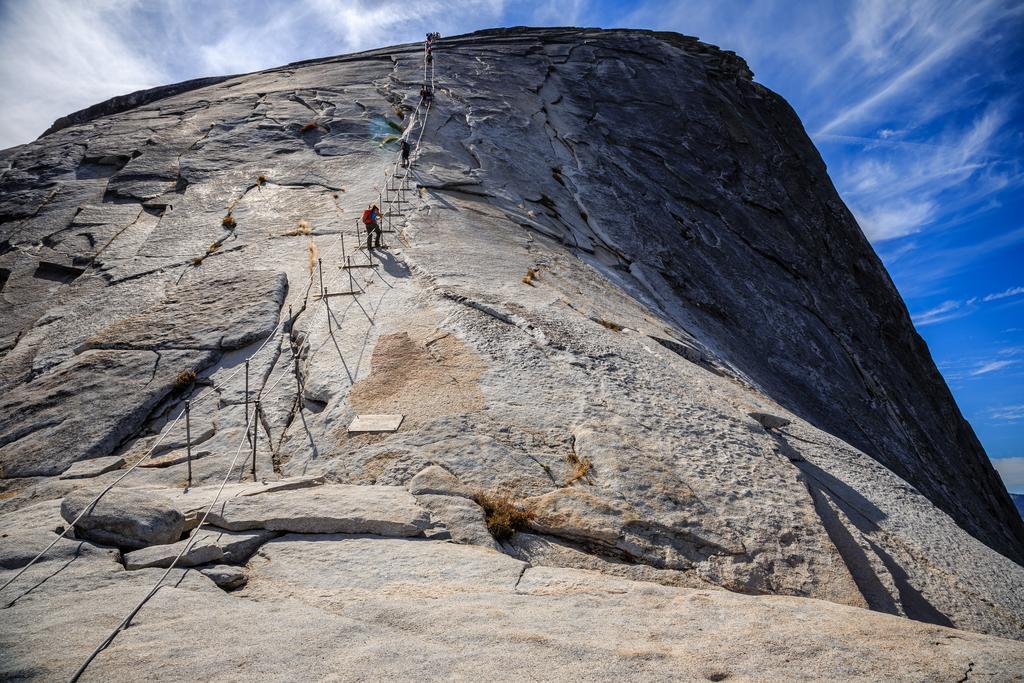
526, 354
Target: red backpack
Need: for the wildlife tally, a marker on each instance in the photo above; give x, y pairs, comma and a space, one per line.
367, 217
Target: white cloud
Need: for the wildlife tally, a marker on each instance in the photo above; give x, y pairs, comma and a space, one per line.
992, 366
1011, 471
901, 189
947, 310
896, 220
1014, 413
58, 56
903, 43
1012, 291
363, 24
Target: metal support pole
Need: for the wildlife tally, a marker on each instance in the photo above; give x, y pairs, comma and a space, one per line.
327, 303
320, 267
298, 381
351, 281
291, 319
247, 392
255, 433
188, 443
343, 240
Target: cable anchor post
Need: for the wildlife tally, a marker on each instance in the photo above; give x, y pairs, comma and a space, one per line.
188, 443
255, 433
327, 303
247, 391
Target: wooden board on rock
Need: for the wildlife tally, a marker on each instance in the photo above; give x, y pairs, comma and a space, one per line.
375, 423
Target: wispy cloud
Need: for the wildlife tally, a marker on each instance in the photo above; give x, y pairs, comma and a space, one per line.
1005, 294
57, 56
1013, 413
947, 310
992, 366
952, 309
899, 190
903, 43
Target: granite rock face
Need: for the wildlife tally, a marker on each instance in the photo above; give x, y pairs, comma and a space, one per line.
625, 317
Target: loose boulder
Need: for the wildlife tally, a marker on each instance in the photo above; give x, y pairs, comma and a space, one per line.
128, 518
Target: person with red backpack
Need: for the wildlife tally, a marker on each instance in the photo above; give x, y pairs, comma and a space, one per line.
373, 232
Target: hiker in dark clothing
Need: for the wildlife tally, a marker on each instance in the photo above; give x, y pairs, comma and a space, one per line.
426, 94
406, 148
430, 55
373, 232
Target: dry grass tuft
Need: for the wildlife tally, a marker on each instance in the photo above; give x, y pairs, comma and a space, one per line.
531, 275
302, 229
197, 261
184, 379
312, 125
261, 180
314, 254
504, 517
578, 468
228, 221
608, 323
212, 248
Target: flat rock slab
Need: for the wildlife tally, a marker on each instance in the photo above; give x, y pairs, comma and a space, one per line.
228, 547
208, 312
328, 509
94, 467
357, 567
375, 423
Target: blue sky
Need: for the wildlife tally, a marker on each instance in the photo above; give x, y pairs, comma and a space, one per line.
915, 106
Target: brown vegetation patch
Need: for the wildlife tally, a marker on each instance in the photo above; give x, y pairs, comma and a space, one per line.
184, 379
314, 255
578, 468
228, 221
504, 516
531, 275
615, 327
302, 228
